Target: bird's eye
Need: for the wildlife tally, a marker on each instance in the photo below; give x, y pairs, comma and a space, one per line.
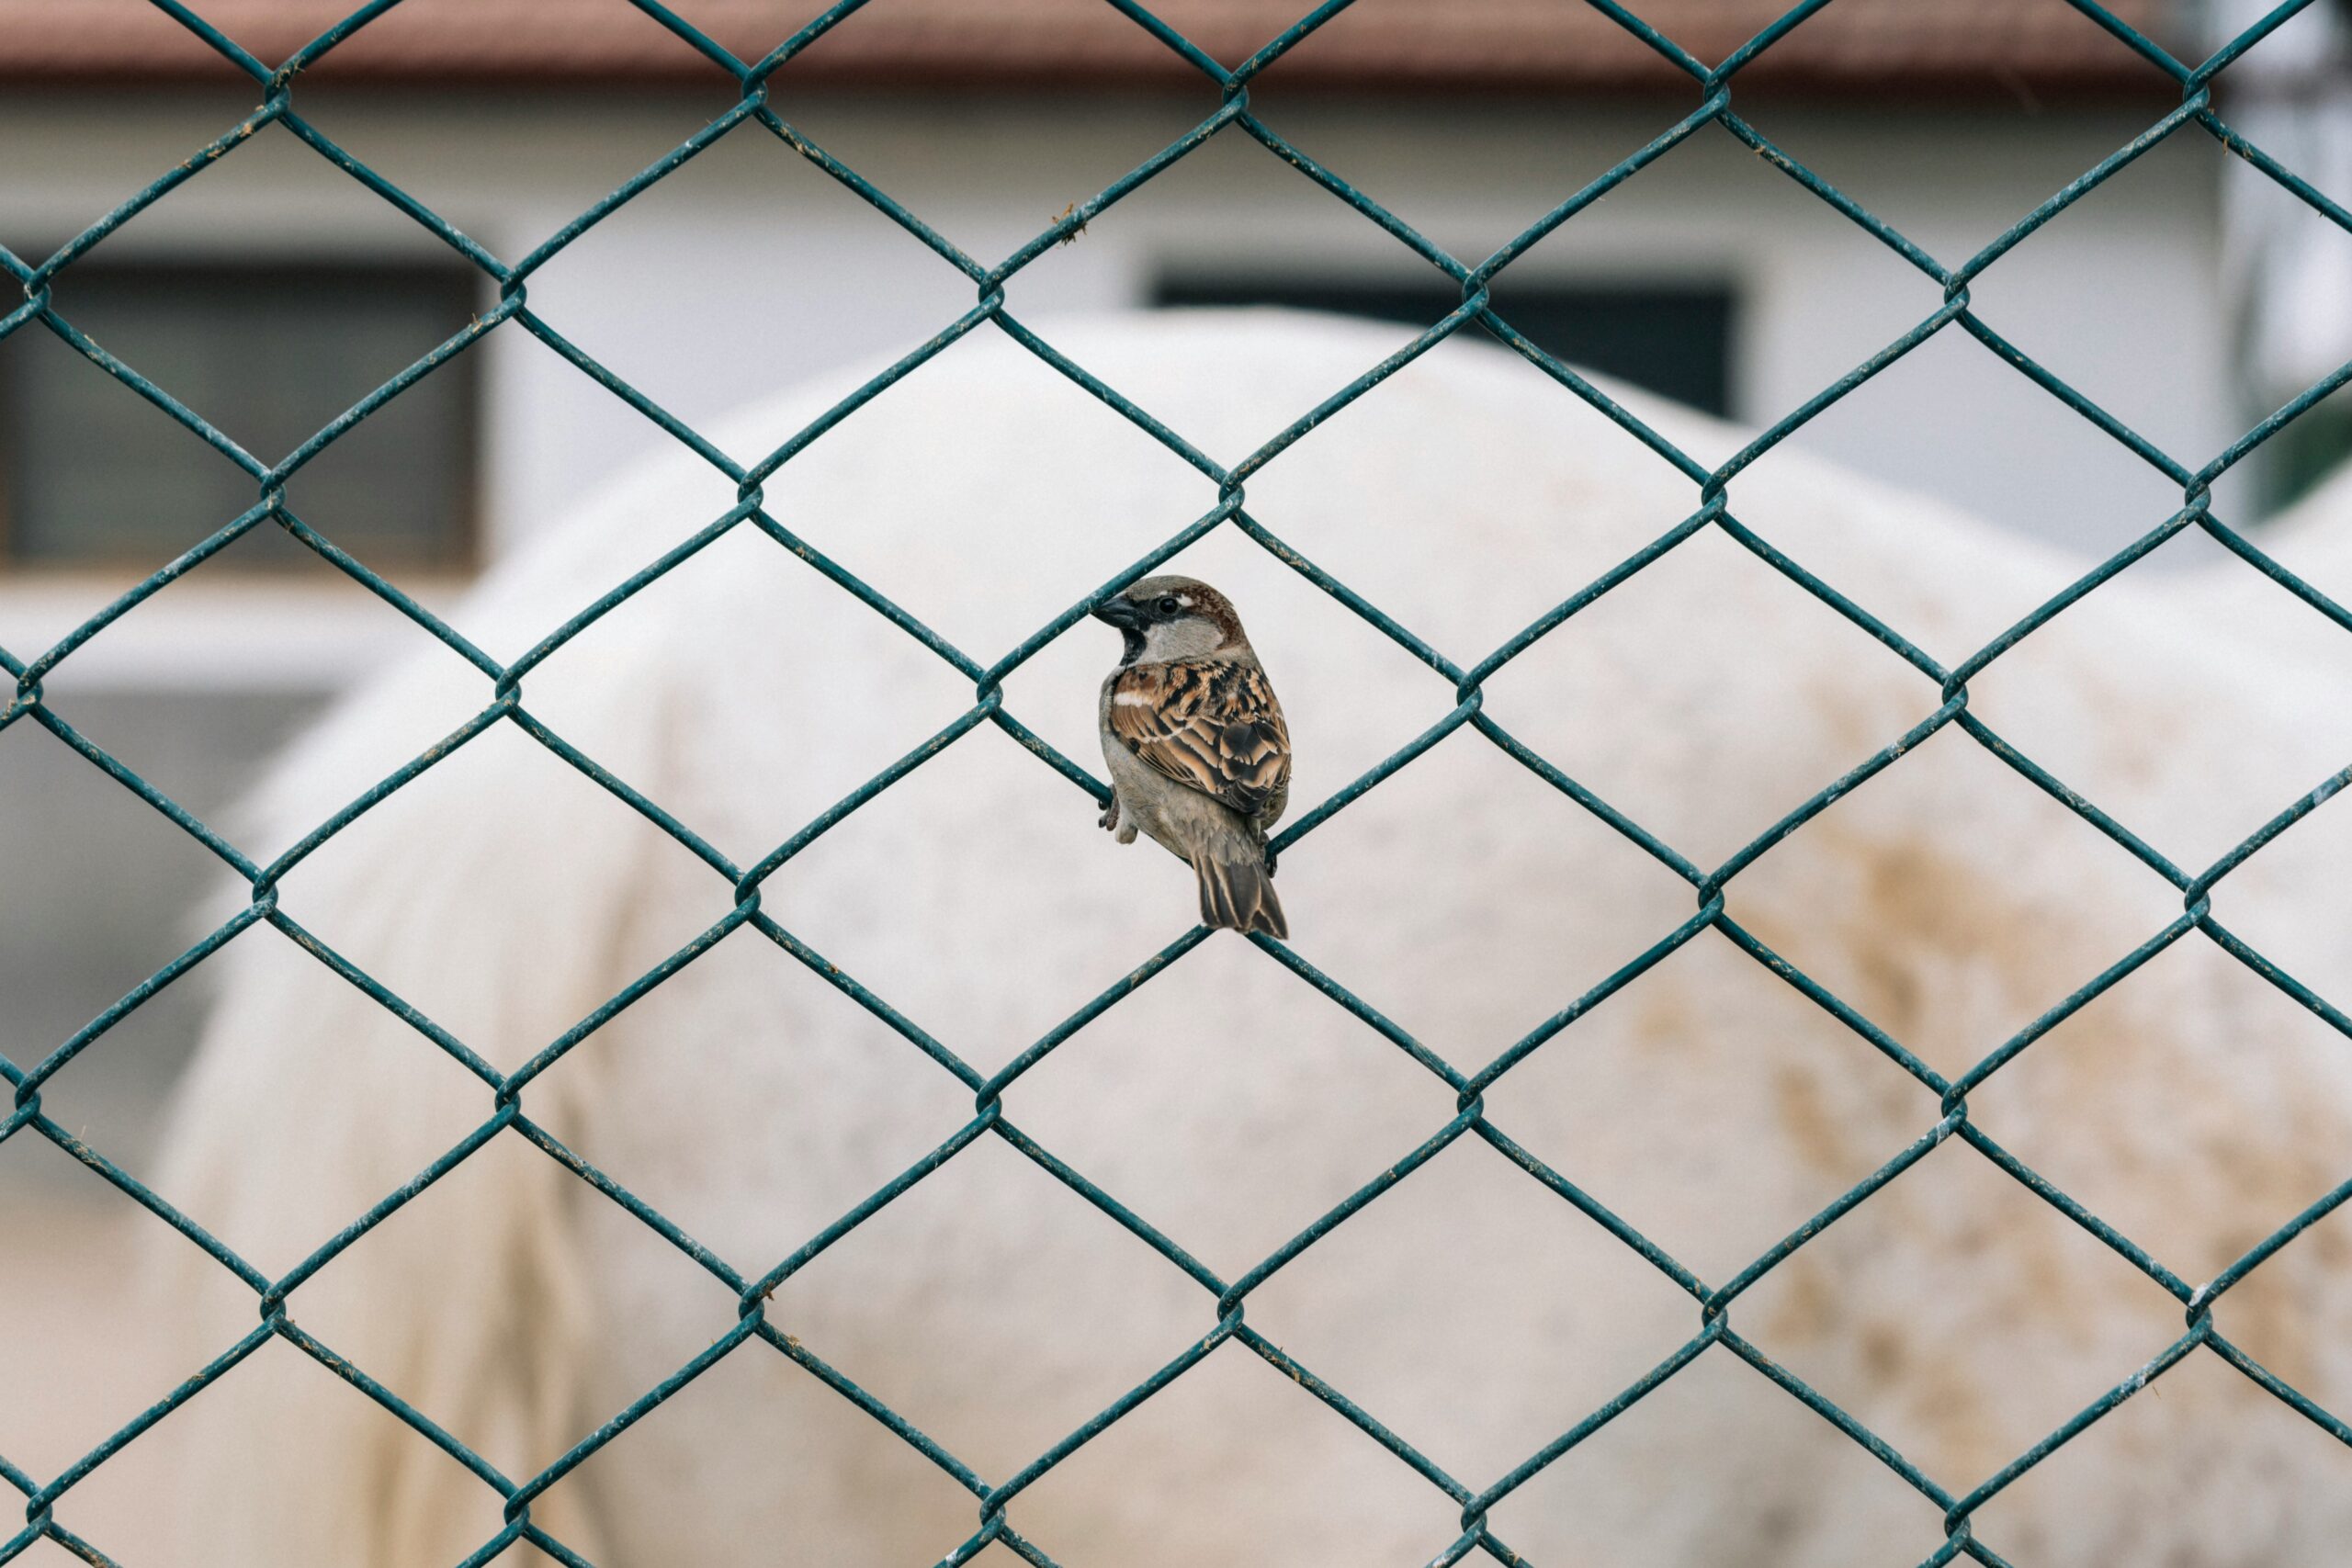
1166, 606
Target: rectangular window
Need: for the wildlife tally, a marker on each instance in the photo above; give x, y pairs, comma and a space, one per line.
93, 475
1672, 340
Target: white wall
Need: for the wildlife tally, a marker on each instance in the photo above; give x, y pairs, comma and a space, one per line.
749, 269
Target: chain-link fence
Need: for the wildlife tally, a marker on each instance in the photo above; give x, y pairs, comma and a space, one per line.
504, 1102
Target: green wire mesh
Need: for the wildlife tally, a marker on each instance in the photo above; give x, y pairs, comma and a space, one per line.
1713, 87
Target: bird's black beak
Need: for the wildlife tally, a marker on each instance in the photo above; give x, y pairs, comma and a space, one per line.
1125, 615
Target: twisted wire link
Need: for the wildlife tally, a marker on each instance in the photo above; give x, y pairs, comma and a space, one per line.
1461, 705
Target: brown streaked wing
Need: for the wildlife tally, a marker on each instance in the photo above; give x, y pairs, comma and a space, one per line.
1214, 728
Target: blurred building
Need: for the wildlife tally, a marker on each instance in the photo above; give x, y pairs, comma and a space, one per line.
2289, 273
273, 289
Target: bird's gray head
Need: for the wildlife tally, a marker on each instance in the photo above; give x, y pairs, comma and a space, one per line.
1162, 618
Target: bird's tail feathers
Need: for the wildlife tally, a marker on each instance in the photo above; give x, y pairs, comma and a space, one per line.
1239, 895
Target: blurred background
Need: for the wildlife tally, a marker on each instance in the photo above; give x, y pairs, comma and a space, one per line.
2188, 295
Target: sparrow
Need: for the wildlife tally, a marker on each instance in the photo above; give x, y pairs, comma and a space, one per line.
1198, 752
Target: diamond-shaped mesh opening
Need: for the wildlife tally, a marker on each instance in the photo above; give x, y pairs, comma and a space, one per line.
1027, 1414
1546, 1315
1595, 502
826, 1105
2146, 1111
1096, 493
742, 329
1797, 696
2126, 352
1292, 1137
1713, 1106
2056, 1316
1501, 954
1967, 423
1919, 902
973, 1363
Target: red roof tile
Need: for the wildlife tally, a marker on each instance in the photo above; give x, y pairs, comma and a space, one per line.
1866, 46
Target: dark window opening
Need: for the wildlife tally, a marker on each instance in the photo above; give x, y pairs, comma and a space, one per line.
1675, 340
93, 475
